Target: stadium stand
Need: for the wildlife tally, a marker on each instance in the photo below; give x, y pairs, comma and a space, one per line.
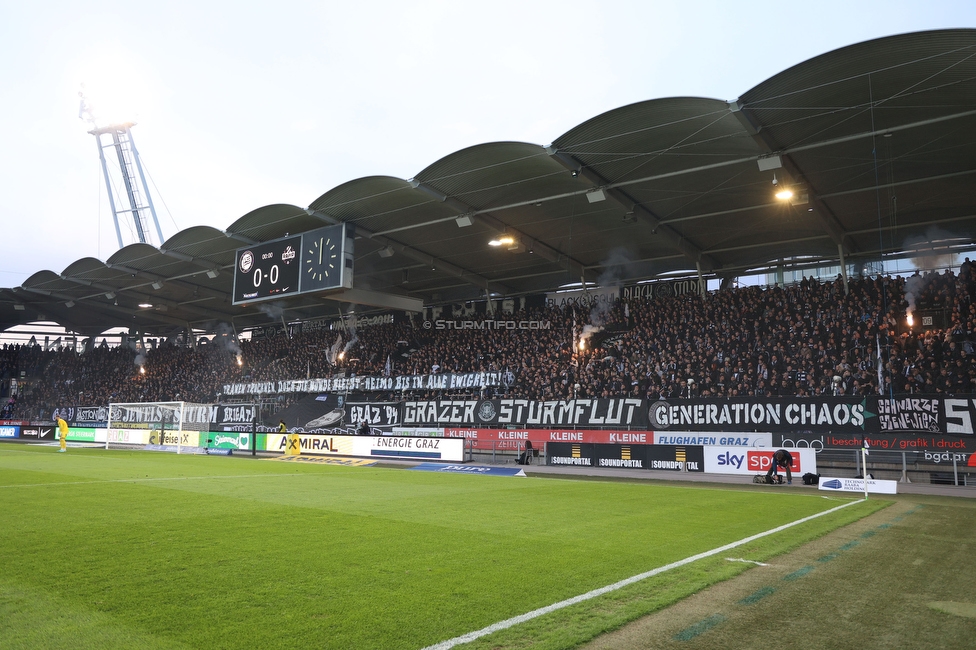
800, 340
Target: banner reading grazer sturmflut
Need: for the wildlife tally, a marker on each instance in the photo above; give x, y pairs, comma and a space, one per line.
604, 413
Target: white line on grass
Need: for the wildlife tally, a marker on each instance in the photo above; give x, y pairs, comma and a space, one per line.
522, 618
143, 480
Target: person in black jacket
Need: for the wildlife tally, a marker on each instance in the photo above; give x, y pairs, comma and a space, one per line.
781, 458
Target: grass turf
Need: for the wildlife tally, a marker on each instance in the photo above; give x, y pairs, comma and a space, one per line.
124, 549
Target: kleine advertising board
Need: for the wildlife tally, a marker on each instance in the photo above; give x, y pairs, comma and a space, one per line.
739, 460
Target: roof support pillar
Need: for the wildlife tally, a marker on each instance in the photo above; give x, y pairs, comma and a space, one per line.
843, 266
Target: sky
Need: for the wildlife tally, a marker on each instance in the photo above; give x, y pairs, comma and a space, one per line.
244, 104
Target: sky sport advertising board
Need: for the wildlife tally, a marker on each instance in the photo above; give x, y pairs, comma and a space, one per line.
398, 447
738, 460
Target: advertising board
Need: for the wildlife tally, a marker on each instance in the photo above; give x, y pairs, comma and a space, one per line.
7, 431
229, 440
877, 486
402, 447
515, 438
736, 460
32, 432
666, 457
86, 434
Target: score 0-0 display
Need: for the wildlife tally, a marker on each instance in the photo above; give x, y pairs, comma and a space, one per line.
269, 270
315, 261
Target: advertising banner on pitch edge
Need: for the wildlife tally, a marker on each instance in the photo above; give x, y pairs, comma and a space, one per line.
405, 448
733, 460
667, 457
37, 432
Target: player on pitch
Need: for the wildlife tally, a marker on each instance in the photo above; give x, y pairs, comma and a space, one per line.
62, 432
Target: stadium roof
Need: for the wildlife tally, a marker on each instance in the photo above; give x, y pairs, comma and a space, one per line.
877, 141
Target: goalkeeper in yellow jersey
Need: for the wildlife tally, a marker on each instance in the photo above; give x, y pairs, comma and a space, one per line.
62, 432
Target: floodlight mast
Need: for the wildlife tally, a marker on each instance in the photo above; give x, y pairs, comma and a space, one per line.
133, 178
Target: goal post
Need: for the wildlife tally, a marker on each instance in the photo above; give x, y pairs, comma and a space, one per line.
173, 425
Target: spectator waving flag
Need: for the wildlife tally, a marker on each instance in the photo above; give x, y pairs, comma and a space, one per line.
386, 369
877, 337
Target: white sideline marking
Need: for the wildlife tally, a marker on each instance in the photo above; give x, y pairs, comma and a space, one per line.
522, 618
742, 559
144, 480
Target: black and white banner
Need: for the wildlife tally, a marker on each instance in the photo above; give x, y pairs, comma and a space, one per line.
441, 381
624, 412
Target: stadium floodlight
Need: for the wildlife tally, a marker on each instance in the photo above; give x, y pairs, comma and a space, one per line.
784, 194
596, 196
463, 221
504, 240
157, 285
768, 163
110, 295
213, 273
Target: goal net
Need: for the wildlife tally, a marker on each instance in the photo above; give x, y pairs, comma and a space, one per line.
167, 426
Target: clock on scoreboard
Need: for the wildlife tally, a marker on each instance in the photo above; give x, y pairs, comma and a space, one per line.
313, 261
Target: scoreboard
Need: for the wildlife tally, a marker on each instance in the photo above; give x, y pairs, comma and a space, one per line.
313, 261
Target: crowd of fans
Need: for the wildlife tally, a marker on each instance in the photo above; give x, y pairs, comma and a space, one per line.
812, 338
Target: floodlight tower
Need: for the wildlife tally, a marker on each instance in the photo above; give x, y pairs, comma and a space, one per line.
132, 177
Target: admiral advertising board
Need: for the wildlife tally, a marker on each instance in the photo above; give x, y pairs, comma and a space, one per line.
7, 431
399, 447
658, 457
737, 460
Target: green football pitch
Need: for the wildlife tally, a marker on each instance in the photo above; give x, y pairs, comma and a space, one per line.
126, 549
